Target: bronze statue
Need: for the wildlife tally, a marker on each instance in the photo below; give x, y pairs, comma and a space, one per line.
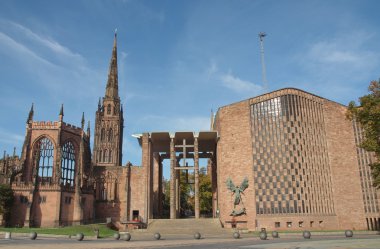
237, 191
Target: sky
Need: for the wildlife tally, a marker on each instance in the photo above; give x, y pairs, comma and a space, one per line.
177, 59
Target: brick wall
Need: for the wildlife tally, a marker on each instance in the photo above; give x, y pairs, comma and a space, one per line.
234, 160
344, 169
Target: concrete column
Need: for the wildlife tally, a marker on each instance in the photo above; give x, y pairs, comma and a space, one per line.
196, 171
178, 192
146, 164
160, 188
214, 186
172, 180
156, 184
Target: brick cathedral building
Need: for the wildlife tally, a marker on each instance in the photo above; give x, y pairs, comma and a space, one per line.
285, 160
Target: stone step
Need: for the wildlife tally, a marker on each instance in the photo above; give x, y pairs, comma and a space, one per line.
206, 226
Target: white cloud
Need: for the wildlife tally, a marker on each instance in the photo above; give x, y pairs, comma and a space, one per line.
212, 69
238, 85
47, 62
12, 47
342, 54
334, 52
53, 45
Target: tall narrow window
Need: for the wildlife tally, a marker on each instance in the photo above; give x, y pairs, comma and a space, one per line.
105, 158
102, 134
68, 164
100, 156
110, 156
110, 134
44, 155
109, 109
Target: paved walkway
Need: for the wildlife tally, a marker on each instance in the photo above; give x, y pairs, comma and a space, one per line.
184, 241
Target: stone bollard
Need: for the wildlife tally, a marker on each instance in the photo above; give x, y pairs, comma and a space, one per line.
116, 236
348, 233
236, 235
197, 235
263, 235
96, 231
8, 235
33, 235
127, 237
306, 234
80, 236
275, 234
157, 236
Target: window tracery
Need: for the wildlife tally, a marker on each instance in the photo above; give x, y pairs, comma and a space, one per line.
102, 134
68, 164
44, 155
110, 135
109, 109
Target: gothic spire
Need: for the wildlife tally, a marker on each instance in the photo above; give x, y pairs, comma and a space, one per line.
82, 121
30, 116
112, 83
88, 128
61, 114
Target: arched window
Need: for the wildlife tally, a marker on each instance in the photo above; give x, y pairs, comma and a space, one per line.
44, 159
68, 164
105, 156
109, 109
102, 134
101, 193
110, 156
110, 135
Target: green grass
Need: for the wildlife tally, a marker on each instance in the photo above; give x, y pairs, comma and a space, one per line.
87, 230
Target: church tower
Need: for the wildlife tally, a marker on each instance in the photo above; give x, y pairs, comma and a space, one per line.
108, 139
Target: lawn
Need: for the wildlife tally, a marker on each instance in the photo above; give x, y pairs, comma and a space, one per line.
87, 230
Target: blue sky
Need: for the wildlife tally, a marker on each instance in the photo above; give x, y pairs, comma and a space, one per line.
177, 59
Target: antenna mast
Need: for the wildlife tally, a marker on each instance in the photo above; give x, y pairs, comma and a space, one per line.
261, 37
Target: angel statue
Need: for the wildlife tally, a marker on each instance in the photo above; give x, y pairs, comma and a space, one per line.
237, 191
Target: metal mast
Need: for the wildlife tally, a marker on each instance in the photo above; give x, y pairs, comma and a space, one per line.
265, 83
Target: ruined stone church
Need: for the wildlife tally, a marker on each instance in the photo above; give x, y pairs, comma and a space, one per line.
284, 160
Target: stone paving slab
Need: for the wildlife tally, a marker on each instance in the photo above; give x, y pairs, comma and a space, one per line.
322, 244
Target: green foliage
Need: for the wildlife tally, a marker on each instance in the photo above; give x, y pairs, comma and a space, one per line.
87, 230
187, 193
368, 115
6, 199
166, 199
187, 200
205, 193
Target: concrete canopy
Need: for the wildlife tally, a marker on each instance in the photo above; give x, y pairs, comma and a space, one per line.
207, 140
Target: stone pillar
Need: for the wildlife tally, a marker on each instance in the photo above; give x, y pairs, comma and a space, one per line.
28, 213
214, 186
172, 179
160, 200
196, 173
178, 192
127, 189
156, 184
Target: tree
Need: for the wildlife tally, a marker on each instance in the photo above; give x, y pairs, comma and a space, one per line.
6, 200
367, 114
166, 199
205, 193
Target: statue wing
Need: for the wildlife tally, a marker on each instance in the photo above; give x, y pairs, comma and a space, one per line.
230, 184
244, 184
